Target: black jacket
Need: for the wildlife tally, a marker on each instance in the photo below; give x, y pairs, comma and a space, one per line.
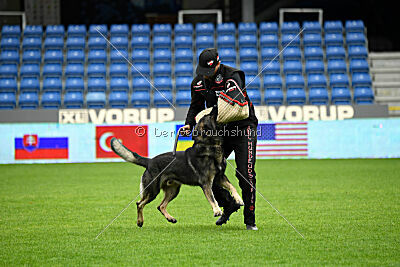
226, 80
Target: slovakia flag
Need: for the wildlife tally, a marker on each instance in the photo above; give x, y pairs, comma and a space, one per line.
33, 147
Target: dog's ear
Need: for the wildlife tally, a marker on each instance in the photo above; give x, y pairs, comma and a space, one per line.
214, 113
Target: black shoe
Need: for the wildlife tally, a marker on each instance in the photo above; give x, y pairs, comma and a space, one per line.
251, 227
227, 212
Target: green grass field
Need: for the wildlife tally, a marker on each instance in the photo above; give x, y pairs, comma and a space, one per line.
348, 211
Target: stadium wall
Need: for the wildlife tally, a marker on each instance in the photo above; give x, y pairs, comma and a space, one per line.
69, 143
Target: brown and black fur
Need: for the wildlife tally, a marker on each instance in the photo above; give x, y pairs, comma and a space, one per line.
196, 166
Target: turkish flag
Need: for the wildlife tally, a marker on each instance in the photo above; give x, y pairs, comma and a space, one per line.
133, 137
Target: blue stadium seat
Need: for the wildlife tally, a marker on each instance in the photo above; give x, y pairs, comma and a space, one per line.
97, 42
52, 70
53, 56
8, 71
53, 42
226, 41
76, 56
184, 69
355, 38
294, 81
183, 29
9, 57
333, 39
96, 70
119, 70
204, 41
51, 100
312, 27
162, 55
341, 96
269, 53
31, 43
271, 67
55, 31
313, 52
162, 69
119, 42
268, 28
230, 63
269, 40
28, 100
337, 66
334, 26
140, 83
74, 42
32, 56
119, 30
52, 84
119, 84
97, 56
227, 54
292, 52
98, 30
74, 70
253, 82
335, 52
272, 81
247, 28
163, 83
96, 100
363, 95
292, 66
357, 51
10, 43
118, 99
97, 84
74, 84
204, 29
8, 85
30, 70
73, 99
140, 42
183, 82
140, 99
33, 31
11, 31
183, 41
139, 69
140, 30
184, 55
290, 27
312, 39
316, 80
162, 41
296, 96
314, 66
7, 100
273, 97
338, 79
183, 98
76, 30
226, 28
359, 65
318, 96
355, 26
247, 40
119, 56
361, 79
249, 67
255, 96
248, 54
290, 40
163, 98
162, 30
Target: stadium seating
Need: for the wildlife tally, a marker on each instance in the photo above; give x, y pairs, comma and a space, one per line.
55, 31
341, 96
96, 100
52, 84
183, 29
119, 70
76, 30
226, 29
182, 69
337, 66
52, 70
8, 71
255, 96
140, 30
32, 56
97, 42
335, 26
363, 95
97, 84
28, 100
268, 28
272, 81
162, 55
269, 40
313, 52
33, 31
140, 99
76, 56
119, 30
11, 31
8, 85
247, 40
296, 96
185, 55
7, 100
247, 28
96, 70
98, 30
253, 82
30, 70
294, 81
183, 98
73, 99
54, 42
312, 39
9, 57
162, 30
290, 27
355, 26
163, 83
312, 27
183, 41
204, 29
140, 83
271, 67
318, 96
163, 98
316, 80
11, 43
119, 56
292, 66
51, 100
226, 41
118, 99
273, 97
54, 56
29, 84
119, 84
314, 66
293, 53
333, 38
140, 69
74, 84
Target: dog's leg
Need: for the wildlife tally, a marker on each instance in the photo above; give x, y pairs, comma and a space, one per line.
210, 197
225, 183
140, 205
170, 192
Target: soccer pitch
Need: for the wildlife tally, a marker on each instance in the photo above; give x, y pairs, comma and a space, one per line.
348, 211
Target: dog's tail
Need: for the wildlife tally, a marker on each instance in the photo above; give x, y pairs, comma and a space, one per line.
126, 154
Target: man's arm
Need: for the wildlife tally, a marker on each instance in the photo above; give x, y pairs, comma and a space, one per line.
197, 103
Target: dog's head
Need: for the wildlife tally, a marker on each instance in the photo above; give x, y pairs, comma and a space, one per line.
207, 127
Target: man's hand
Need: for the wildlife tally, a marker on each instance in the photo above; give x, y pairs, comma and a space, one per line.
185, 130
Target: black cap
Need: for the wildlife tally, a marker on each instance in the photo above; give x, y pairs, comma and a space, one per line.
208, 60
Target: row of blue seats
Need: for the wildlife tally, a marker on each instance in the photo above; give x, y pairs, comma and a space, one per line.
200, 28
181, 82
120, 99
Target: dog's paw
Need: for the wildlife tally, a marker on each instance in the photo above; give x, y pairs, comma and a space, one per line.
240, 203
172, 220
140, 224
217, 212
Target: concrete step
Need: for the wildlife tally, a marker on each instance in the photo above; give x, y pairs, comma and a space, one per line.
384, 55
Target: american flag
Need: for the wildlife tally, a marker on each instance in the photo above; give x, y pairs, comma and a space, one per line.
284, 139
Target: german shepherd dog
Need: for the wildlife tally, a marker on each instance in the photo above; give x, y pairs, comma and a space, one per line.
197, 166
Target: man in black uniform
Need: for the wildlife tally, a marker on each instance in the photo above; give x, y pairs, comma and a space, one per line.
215, 80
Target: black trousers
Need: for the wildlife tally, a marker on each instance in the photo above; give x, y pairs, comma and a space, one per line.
244, 145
